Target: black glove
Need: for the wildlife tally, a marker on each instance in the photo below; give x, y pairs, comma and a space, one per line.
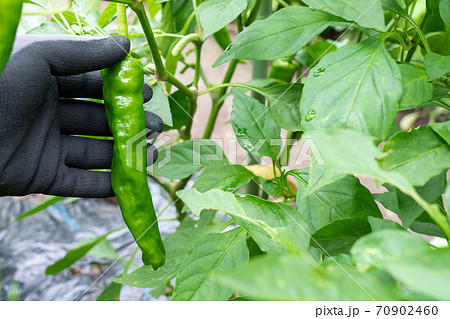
36, 155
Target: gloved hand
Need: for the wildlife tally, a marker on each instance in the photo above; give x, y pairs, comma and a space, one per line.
36, 153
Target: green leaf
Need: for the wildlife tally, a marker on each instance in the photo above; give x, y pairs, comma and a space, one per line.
276, 227
283, 101
344, 199
351, 152
443, 129
179, 103
104, 249
71, 18
436, 65
154, 6
367, 14
223, 176
271, 186
378, 224
408, 210
47, 203
9, 21
159, 104
280, 35
393, 5
283, 105
212, 253
340, 259
75, 254
447, 196
13, 291
356, 87
313, 53
434, 22
388, 199
260, 83
179, 106
354, 153
216, 14
183, 159
177, 246
444, 10
318, 50
438, 42
254, 128
381, 247
298, 278
418, 155
426, 226
319, 176
416, 88
167, 25
107, 15
427, 273
111, 293
338, 236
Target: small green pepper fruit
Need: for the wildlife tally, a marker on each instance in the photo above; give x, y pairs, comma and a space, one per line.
10, 11
123, 84
283, 69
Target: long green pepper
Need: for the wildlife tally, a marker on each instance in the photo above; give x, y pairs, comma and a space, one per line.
10, 11
123, 84
283, 69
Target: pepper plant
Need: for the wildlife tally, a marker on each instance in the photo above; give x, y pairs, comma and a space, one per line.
340, 75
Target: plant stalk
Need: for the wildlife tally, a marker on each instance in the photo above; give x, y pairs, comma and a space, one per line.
259, 71
161, 72
216, 106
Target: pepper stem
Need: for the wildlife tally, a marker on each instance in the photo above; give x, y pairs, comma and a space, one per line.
122, 22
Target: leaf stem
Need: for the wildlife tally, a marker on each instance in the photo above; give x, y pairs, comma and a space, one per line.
284, 156
198, 51
225, 85
162, 211
199, 28
161, 72
253, 13
130, 261
191, 111
422, 25
142, 16
259, 71
49, 12
420, 34
122, 24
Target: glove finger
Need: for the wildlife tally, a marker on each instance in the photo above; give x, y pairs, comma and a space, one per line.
154, 124
74, 182
83, 118
76, 55
89, 118
88, 85
152, 154
87, 153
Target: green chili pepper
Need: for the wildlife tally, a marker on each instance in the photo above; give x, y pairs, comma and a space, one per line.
10, 11
283, 70
223, 38
123, 84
